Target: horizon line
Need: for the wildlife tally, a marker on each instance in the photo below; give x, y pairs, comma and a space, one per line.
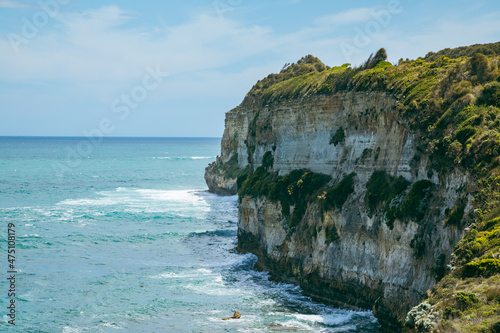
111, 137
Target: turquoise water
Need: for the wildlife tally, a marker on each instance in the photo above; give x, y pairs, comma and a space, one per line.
121, 236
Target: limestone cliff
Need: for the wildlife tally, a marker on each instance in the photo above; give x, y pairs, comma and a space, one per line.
370, 265
383, 245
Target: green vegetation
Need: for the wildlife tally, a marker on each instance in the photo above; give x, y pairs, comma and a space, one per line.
267, 160
464, 51
456, 214
465, 300
481, 242
337, 196
295, 189
230, 169
379, 60
415, 204
292, 81
481, 268
471, 290
382, 187
338, 137
389, 193
298, 189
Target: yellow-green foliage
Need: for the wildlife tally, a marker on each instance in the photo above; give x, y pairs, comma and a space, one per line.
464, 51
293, 80
483, 241
469, 297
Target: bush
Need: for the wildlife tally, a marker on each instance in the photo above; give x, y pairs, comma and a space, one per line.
465, 300
241, 179
257, 184
456, 214
490, 95
450, 312
337, 196
382, 187
297, 189
373, 60
465, 51
465, 133
338, 137
481, 268
491, 224
267, 160
417, 200
495, 327
420, 318
480, 66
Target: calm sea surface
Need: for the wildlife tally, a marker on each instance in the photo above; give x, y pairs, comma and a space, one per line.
121, 236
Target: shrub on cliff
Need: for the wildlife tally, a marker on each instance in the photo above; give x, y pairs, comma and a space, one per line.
464, 51
482, 268
338, 137
337, 196
382, 187
465, 300
480, 66
374, 60
297, 189
490, 95
417, 200
267, 160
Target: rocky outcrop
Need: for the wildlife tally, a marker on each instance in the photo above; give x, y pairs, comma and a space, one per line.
369, 263
217, 181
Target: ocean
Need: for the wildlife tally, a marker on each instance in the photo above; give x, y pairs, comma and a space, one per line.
121, 235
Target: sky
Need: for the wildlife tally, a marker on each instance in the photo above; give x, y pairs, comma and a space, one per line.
156, 68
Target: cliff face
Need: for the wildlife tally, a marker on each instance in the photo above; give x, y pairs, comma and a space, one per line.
369, 264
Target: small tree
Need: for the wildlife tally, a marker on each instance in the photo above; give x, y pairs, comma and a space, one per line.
480, 66
372, 60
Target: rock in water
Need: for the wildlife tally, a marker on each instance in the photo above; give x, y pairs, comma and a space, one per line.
236, 315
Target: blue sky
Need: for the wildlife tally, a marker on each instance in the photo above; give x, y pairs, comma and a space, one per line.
173, 68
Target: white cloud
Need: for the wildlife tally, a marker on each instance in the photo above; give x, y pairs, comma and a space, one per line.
13, 4
95, 45
447, 33
347, 17
102, 53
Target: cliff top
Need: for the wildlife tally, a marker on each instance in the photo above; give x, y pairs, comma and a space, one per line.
453, 99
